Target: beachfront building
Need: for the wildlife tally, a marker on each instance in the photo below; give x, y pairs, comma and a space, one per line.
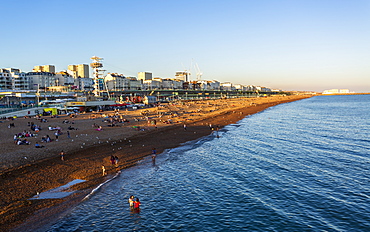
262, 89
195, 85
118, 82
208, 85
251, 88
84, 84
151, 84
14, 79
134, 83
64, 79
184, 76
204, 85
44, 68
20, 80
214, 85
177, 84
5, 79
240, 87
41, 80
144, 76
336, 91
227, 86
79, 70
265, 89
168, 83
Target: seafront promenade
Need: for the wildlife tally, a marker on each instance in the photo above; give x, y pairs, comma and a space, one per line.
91, 140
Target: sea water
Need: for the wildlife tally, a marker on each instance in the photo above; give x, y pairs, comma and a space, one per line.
299, 166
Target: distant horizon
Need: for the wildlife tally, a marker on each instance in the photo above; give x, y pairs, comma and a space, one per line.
307, 45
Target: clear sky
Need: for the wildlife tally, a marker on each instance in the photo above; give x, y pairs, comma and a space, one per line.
286, 44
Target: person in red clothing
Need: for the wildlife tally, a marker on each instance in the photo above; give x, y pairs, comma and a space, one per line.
137, 203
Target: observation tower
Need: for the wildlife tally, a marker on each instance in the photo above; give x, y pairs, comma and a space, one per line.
98, 73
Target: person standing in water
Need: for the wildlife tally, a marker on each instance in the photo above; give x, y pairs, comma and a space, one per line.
154, 154
137, 204
131, 201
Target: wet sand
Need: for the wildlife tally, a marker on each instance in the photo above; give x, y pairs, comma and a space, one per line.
26, 170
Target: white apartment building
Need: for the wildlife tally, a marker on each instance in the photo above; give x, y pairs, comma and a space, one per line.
5, 79
18, 80
169, 83
118, 82
41, 80
134, 83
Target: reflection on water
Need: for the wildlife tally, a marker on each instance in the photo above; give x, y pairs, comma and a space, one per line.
59, 192
301, 166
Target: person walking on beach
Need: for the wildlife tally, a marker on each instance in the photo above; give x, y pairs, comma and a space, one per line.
56, 135
116, 161
103, 169
112, 160
62, 153
184, 127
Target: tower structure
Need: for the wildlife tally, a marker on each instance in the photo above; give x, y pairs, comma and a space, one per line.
98, 72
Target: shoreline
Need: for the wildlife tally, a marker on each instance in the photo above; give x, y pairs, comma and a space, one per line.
19, 183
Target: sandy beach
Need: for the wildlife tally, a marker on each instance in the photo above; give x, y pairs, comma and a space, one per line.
90, 141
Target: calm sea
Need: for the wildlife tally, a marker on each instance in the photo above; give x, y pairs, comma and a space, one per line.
300, 166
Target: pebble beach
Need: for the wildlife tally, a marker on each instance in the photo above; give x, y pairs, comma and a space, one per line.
90, 139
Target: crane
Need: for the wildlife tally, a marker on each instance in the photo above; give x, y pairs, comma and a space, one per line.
199, 73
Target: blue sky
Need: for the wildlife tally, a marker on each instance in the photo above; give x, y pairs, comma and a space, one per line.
291, 45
